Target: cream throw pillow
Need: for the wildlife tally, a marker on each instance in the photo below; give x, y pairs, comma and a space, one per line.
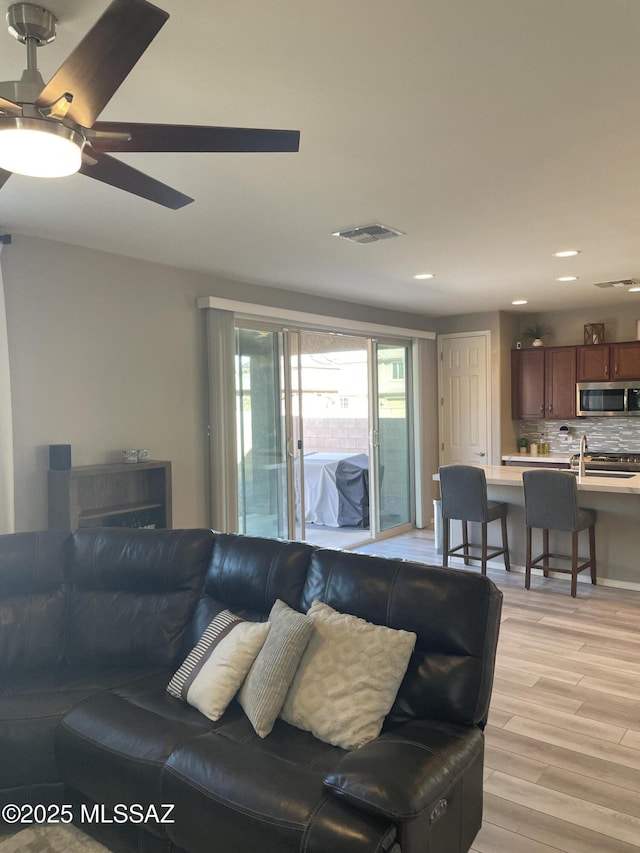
348, 677
215, 668
265, 688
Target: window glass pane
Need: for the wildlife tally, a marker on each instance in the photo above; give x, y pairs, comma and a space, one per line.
394, 473
262, 481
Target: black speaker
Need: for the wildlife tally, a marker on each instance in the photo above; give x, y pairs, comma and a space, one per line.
59, 457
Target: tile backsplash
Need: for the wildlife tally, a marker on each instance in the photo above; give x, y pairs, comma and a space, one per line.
604, 435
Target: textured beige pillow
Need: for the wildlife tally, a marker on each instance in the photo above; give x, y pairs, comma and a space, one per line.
348, 677
265, 688
217, 665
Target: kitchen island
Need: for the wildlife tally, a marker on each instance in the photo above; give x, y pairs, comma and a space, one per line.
617, 502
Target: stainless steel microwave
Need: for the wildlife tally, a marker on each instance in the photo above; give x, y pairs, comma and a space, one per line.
601, 399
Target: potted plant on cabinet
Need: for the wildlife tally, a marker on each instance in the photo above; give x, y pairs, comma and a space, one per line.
536, 332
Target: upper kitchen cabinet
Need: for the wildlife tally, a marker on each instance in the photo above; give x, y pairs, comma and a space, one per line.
593, 363
527, 384
560, 382
625, 359
608, 362
543, 383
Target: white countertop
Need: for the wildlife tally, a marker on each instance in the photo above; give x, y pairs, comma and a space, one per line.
541, 458
511, 475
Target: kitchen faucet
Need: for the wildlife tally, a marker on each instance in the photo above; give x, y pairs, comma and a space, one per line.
583, 449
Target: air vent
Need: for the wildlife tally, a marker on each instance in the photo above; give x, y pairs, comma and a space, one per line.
368, 233
622, 282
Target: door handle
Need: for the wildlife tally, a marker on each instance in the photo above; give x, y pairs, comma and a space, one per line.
481, 454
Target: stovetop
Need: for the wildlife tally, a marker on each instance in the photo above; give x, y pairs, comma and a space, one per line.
612, 461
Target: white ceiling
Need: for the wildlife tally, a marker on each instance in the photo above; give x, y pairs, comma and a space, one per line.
491, 132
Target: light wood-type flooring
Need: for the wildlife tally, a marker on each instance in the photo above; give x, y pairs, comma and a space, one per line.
562, 763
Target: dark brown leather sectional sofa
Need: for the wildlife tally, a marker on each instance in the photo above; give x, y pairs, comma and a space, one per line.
93, 624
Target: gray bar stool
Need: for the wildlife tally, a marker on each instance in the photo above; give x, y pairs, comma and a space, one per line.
551, 503
463, 492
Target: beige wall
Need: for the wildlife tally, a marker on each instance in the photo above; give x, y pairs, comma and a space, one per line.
106, 353
509, 327
568, 326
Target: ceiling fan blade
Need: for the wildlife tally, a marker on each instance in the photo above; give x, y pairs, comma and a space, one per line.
118, 174
176, 137
9, 107
4, 177
97, 66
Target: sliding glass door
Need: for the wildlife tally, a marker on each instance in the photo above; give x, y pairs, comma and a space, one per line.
323, 434
331, 429
392, 436
263, 490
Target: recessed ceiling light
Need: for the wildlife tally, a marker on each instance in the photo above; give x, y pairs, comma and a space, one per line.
567, 278
634, 290
519, 302
423, 275
567, 253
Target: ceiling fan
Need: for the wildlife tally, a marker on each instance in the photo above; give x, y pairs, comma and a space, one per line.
51, 130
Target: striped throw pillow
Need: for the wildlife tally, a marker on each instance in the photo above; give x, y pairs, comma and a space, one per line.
215, 668
265, 689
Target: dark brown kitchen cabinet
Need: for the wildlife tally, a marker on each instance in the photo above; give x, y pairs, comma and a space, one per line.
609, 362
626, 360
527, 384
593, 363
543, 383
560, 382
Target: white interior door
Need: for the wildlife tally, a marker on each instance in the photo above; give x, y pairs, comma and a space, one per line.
464, 399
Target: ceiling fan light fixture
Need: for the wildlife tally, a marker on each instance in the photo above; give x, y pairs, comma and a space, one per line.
39, 148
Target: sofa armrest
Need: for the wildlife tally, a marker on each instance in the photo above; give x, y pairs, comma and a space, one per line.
406, 772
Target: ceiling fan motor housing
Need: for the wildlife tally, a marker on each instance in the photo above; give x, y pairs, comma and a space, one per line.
28, 21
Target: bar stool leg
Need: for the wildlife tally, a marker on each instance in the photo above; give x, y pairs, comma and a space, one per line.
592, 552
545, 551
465, 542
445, 543
484, 549
505, 544
574, 564
527, 562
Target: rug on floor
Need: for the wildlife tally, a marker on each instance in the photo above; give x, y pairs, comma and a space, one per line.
51, 839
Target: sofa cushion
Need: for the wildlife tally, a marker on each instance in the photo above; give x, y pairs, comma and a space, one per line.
216, 667
32, 600
348, 677
128, 732
32, 705
265, 687
133, 593
248, 574
455, 614
244, 793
